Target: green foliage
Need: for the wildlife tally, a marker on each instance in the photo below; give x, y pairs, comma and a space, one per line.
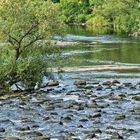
74, 10
98, 21
26, 26
121, 15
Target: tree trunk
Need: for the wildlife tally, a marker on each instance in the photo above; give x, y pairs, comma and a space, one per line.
17, 53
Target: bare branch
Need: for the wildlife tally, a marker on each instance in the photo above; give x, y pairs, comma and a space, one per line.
33, 41
28, 32
10, 38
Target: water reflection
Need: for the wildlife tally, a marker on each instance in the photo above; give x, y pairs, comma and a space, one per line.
108, 48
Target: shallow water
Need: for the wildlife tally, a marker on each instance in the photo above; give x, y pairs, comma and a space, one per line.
93, 111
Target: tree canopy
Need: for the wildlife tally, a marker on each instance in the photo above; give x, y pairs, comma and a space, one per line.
119, 15
24, 25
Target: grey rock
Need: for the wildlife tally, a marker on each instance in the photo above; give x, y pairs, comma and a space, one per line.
115, 82
120, 117
137, 98
33, 133
107, 83
53, 83
24, 128
80, 82
2, 130
12, 138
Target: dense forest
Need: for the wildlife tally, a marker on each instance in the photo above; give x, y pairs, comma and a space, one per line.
122, 16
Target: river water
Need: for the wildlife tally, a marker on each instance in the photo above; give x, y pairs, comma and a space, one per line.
100, 49
100, 110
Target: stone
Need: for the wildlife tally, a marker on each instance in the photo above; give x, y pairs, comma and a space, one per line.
97, 115
91, 105
137, 108
117, 97
12, 138
46, 118
99, 88
35, 126
61, 123
91, 135
129, 130
115, 82
25, 119
137, 98
120, 117
24, 128
53, 83
67, 118
2, 130
80, 82
107, 83
84, 120
80, 126
34, 133
4, 120
114, 134
127, 84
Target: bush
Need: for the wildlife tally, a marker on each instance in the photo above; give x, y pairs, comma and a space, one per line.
99, 21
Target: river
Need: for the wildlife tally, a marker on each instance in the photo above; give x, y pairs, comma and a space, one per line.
103, 109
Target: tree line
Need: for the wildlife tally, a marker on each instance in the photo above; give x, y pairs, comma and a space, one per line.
122, 16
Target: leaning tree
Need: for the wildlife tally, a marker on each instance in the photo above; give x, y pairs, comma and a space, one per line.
25, 28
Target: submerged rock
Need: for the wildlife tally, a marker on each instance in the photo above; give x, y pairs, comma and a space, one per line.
25, 119
107, 83
120, 117
24, 128
4, 120
137, 98
115, 82
80, 82
92, 134
97, 115
99, 87
46, 118
114, 134
2, 130
33, 133
127, 84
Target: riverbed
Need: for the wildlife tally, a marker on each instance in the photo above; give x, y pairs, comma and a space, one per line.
105, 107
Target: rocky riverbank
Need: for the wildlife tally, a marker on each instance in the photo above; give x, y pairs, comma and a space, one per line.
82, 110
